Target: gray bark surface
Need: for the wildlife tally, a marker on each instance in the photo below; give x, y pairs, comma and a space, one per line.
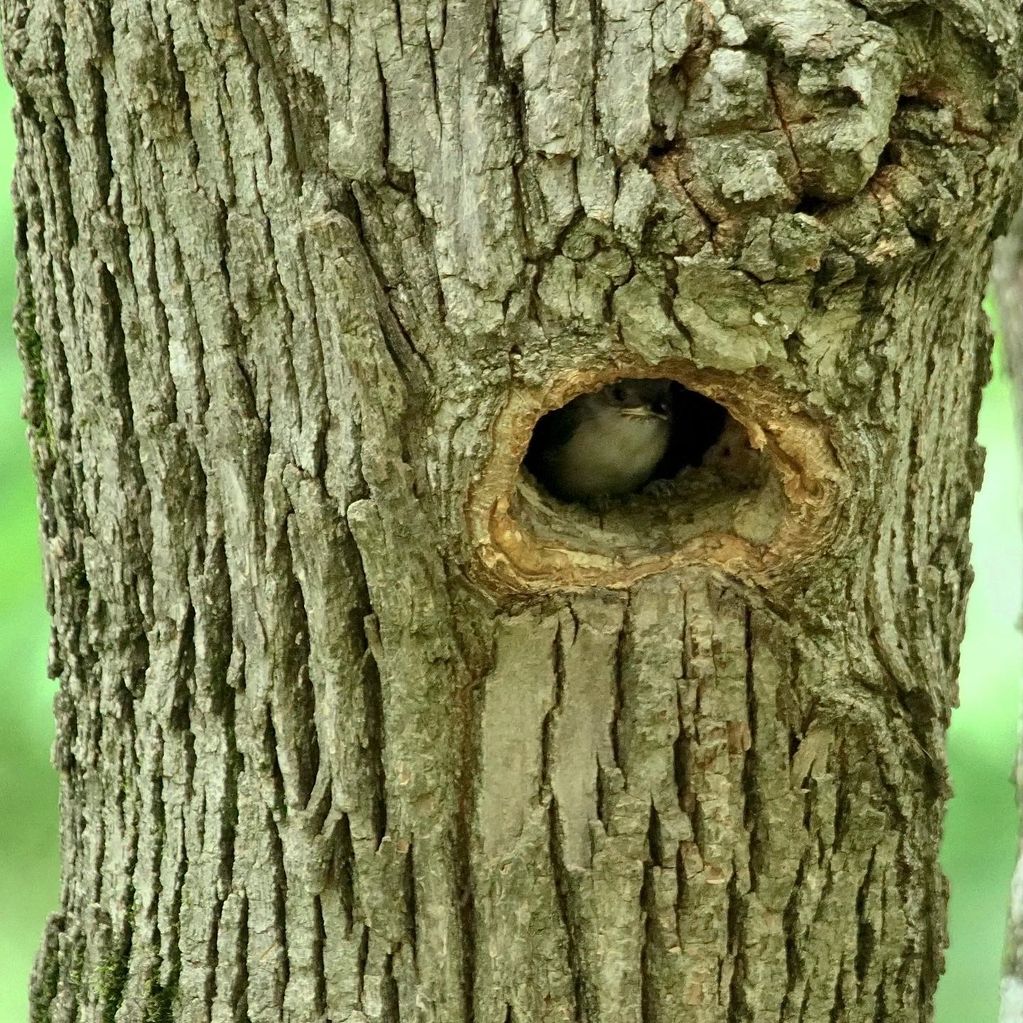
356, 724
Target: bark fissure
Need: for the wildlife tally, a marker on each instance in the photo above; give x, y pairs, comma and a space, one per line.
375, 738
647, 998
565, 897
619, 686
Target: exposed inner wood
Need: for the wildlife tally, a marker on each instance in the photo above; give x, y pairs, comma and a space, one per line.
752, 514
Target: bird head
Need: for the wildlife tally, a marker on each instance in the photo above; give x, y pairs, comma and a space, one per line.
634, 399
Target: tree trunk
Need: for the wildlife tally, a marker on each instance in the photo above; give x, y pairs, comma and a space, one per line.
356, 722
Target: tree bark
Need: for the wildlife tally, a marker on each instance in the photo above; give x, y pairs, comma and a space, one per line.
355, 722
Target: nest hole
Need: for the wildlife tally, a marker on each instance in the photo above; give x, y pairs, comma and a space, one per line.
708, 481
747, 482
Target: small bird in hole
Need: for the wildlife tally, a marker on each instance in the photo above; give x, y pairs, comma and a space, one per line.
605, 444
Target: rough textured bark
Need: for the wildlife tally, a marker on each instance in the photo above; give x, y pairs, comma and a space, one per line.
355, 723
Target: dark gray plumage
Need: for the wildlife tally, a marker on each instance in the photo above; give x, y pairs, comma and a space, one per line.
603, 444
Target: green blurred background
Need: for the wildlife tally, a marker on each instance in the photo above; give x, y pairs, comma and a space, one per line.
980, 840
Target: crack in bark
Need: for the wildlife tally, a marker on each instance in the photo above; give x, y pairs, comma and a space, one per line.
375, 736
790, 920
171, 973
390, 1008
463, 868
385, 155
618, 679
342, 873
738, 1005
270, 751
431, 58
658, 977
865, 937
319, 951
363, 962
243, 971
881, 1009
280, 895
738, 902
558, 660
563, 889
772, 89
212, 957
837, 1013
409, 895
647, 999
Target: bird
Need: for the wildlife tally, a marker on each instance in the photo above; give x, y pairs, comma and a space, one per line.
603, 444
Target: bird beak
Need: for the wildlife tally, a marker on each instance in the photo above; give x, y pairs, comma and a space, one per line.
643, 412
